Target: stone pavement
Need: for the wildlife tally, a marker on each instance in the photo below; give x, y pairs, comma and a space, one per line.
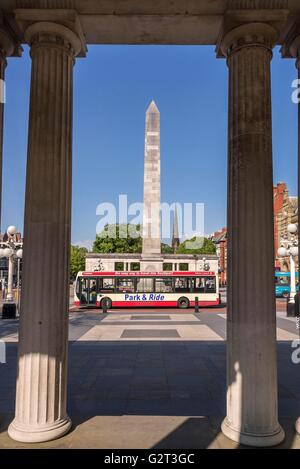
149, 379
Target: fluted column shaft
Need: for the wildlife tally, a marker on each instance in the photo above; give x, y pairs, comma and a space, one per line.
2, 77
42, 368
251, 318
298, 67
295, 52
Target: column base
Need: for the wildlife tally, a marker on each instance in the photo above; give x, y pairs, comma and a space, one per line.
252, 439
39, 433
297, 425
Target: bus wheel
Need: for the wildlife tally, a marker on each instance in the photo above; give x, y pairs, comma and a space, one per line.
183, 303
105, 302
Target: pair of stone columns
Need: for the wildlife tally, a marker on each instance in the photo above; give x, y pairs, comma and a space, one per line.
42, 369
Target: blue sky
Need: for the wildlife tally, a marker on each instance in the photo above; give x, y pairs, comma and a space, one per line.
112, 89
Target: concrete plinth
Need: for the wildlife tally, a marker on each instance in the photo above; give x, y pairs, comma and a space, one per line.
151, 264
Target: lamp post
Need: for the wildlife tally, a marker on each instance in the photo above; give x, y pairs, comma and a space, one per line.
206, 265
12, 250
289, 248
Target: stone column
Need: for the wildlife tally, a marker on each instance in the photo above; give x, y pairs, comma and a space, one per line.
297, 426
251, 317
294, 50
42, 368
6, 49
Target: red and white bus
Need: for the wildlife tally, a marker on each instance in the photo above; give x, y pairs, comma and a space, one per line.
140, 289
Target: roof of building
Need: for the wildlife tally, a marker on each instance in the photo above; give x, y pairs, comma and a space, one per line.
138, 256
218, 237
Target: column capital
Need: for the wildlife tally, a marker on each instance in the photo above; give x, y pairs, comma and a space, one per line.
251, 22
249, 34
9, 45
291, 43
61, 27
54, 34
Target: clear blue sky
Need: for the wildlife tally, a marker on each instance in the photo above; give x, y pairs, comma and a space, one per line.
112, 89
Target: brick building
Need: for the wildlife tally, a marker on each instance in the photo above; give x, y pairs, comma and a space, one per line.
220, 240
285, 212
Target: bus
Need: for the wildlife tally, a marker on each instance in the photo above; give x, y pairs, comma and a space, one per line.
139, 289
282, 284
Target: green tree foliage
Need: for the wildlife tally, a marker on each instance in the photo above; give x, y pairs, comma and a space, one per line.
166, 249
113, 239
77, 260
207, 247
119, 238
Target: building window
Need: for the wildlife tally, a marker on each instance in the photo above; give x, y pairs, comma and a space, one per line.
135, 266
119, 266
184, 266
167, 266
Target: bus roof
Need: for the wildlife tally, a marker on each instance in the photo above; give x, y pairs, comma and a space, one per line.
175, 273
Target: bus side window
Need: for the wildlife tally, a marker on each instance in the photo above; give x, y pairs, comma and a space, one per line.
210, 285
182, 284
125, 285
106, 285
200, 285
163, 285
144, 285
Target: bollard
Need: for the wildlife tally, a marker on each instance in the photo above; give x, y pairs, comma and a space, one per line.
291, 308
196, 304
9, 310
104, 305
297, 305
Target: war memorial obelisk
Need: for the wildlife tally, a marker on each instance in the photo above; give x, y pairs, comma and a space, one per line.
151, 253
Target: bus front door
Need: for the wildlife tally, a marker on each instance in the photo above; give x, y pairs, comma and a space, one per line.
88, 291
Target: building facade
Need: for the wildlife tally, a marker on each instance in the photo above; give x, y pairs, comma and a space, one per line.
219, 238
134, 262
285, 212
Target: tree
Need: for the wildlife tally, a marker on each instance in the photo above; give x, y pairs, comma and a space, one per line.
77, 260
207, 247
166, 249
124, 238
119, 239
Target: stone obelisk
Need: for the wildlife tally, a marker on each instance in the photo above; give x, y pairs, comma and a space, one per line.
151, 253
175, 238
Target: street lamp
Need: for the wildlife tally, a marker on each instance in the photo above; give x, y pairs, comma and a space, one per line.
289, 248
206, 265
12, 250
